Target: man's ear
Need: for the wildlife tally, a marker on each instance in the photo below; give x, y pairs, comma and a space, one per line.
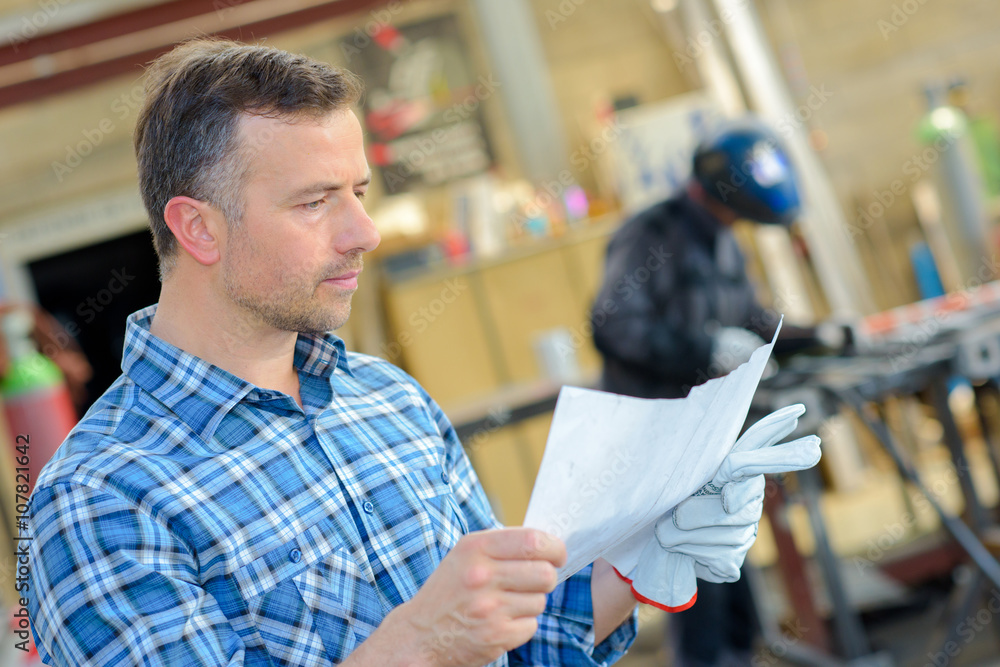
196, 226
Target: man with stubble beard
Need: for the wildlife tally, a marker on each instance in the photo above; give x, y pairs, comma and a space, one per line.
248, 492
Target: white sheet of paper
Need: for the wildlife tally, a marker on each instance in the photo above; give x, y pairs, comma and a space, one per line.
615, 464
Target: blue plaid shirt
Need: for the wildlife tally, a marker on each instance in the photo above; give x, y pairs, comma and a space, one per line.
193, 518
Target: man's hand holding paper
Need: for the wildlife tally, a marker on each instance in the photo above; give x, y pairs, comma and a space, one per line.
687, 501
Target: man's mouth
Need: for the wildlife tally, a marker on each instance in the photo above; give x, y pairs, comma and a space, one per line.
348, 280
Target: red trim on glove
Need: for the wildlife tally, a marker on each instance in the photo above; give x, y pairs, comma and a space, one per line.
643, 599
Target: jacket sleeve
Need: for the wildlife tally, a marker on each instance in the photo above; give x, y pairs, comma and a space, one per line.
764, 322
644, 315
111, 586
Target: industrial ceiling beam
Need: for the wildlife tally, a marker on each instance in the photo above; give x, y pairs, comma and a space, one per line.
83, 55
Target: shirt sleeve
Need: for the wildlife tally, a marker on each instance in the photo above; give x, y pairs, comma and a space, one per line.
108, 585
566, 630
565, 633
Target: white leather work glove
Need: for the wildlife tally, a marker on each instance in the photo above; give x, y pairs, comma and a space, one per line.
732, 346
707, 536
837, 335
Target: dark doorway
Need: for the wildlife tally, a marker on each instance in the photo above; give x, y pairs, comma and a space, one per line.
92, 290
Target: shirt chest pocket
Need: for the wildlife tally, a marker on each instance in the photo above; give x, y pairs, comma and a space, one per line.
308, 599
443, 520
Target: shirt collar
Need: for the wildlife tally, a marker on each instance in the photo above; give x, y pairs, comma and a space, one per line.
198, 392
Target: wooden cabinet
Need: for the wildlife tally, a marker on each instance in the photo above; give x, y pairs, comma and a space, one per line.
466, 332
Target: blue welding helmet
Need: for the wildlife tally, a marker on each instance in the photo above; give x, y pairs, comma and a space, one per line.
743, 166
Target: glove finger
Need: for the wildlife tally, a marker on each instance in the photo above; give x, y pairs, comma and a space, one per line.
697, 512
744, 516
718, 559
771, 429
724, 575
742, 508
795, 455
720, 569
749, 492
674, 539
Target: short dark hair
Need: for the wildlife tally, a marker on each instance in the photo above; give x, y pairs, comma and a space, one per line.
187, 133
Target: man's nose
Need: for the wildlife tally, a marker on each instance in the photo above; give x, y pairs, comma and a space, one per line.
360, 233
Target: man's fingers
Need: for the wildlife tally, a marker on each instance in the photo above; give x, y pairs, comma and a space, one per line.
524, 544
536, 576
524, 605
521, 630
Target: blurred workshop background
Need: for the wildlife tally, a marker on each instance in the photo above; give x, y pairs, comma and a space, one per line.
509, 139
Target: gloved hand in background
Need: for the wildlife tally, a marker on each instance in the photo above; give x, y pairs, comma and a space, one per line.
708, 535
732, 346
837, 335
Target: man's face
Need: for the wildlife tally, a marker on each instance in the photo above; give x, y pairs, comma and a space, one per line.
292, 262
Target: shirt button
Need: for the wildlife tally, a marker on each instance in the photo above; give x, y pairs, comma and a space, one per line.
444, 476
295, 555
368, 507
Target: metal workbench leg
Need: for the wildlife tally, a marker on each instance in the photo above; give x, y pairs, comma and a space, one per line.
847, 626
938, 390
985, 395
792, 568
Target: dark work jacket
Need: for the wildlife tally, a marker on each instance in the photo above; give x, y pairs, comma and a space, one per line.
673, 272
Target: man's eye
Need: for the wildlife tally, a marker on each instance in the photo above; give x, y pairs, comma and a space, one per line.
314, 205
360, 195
